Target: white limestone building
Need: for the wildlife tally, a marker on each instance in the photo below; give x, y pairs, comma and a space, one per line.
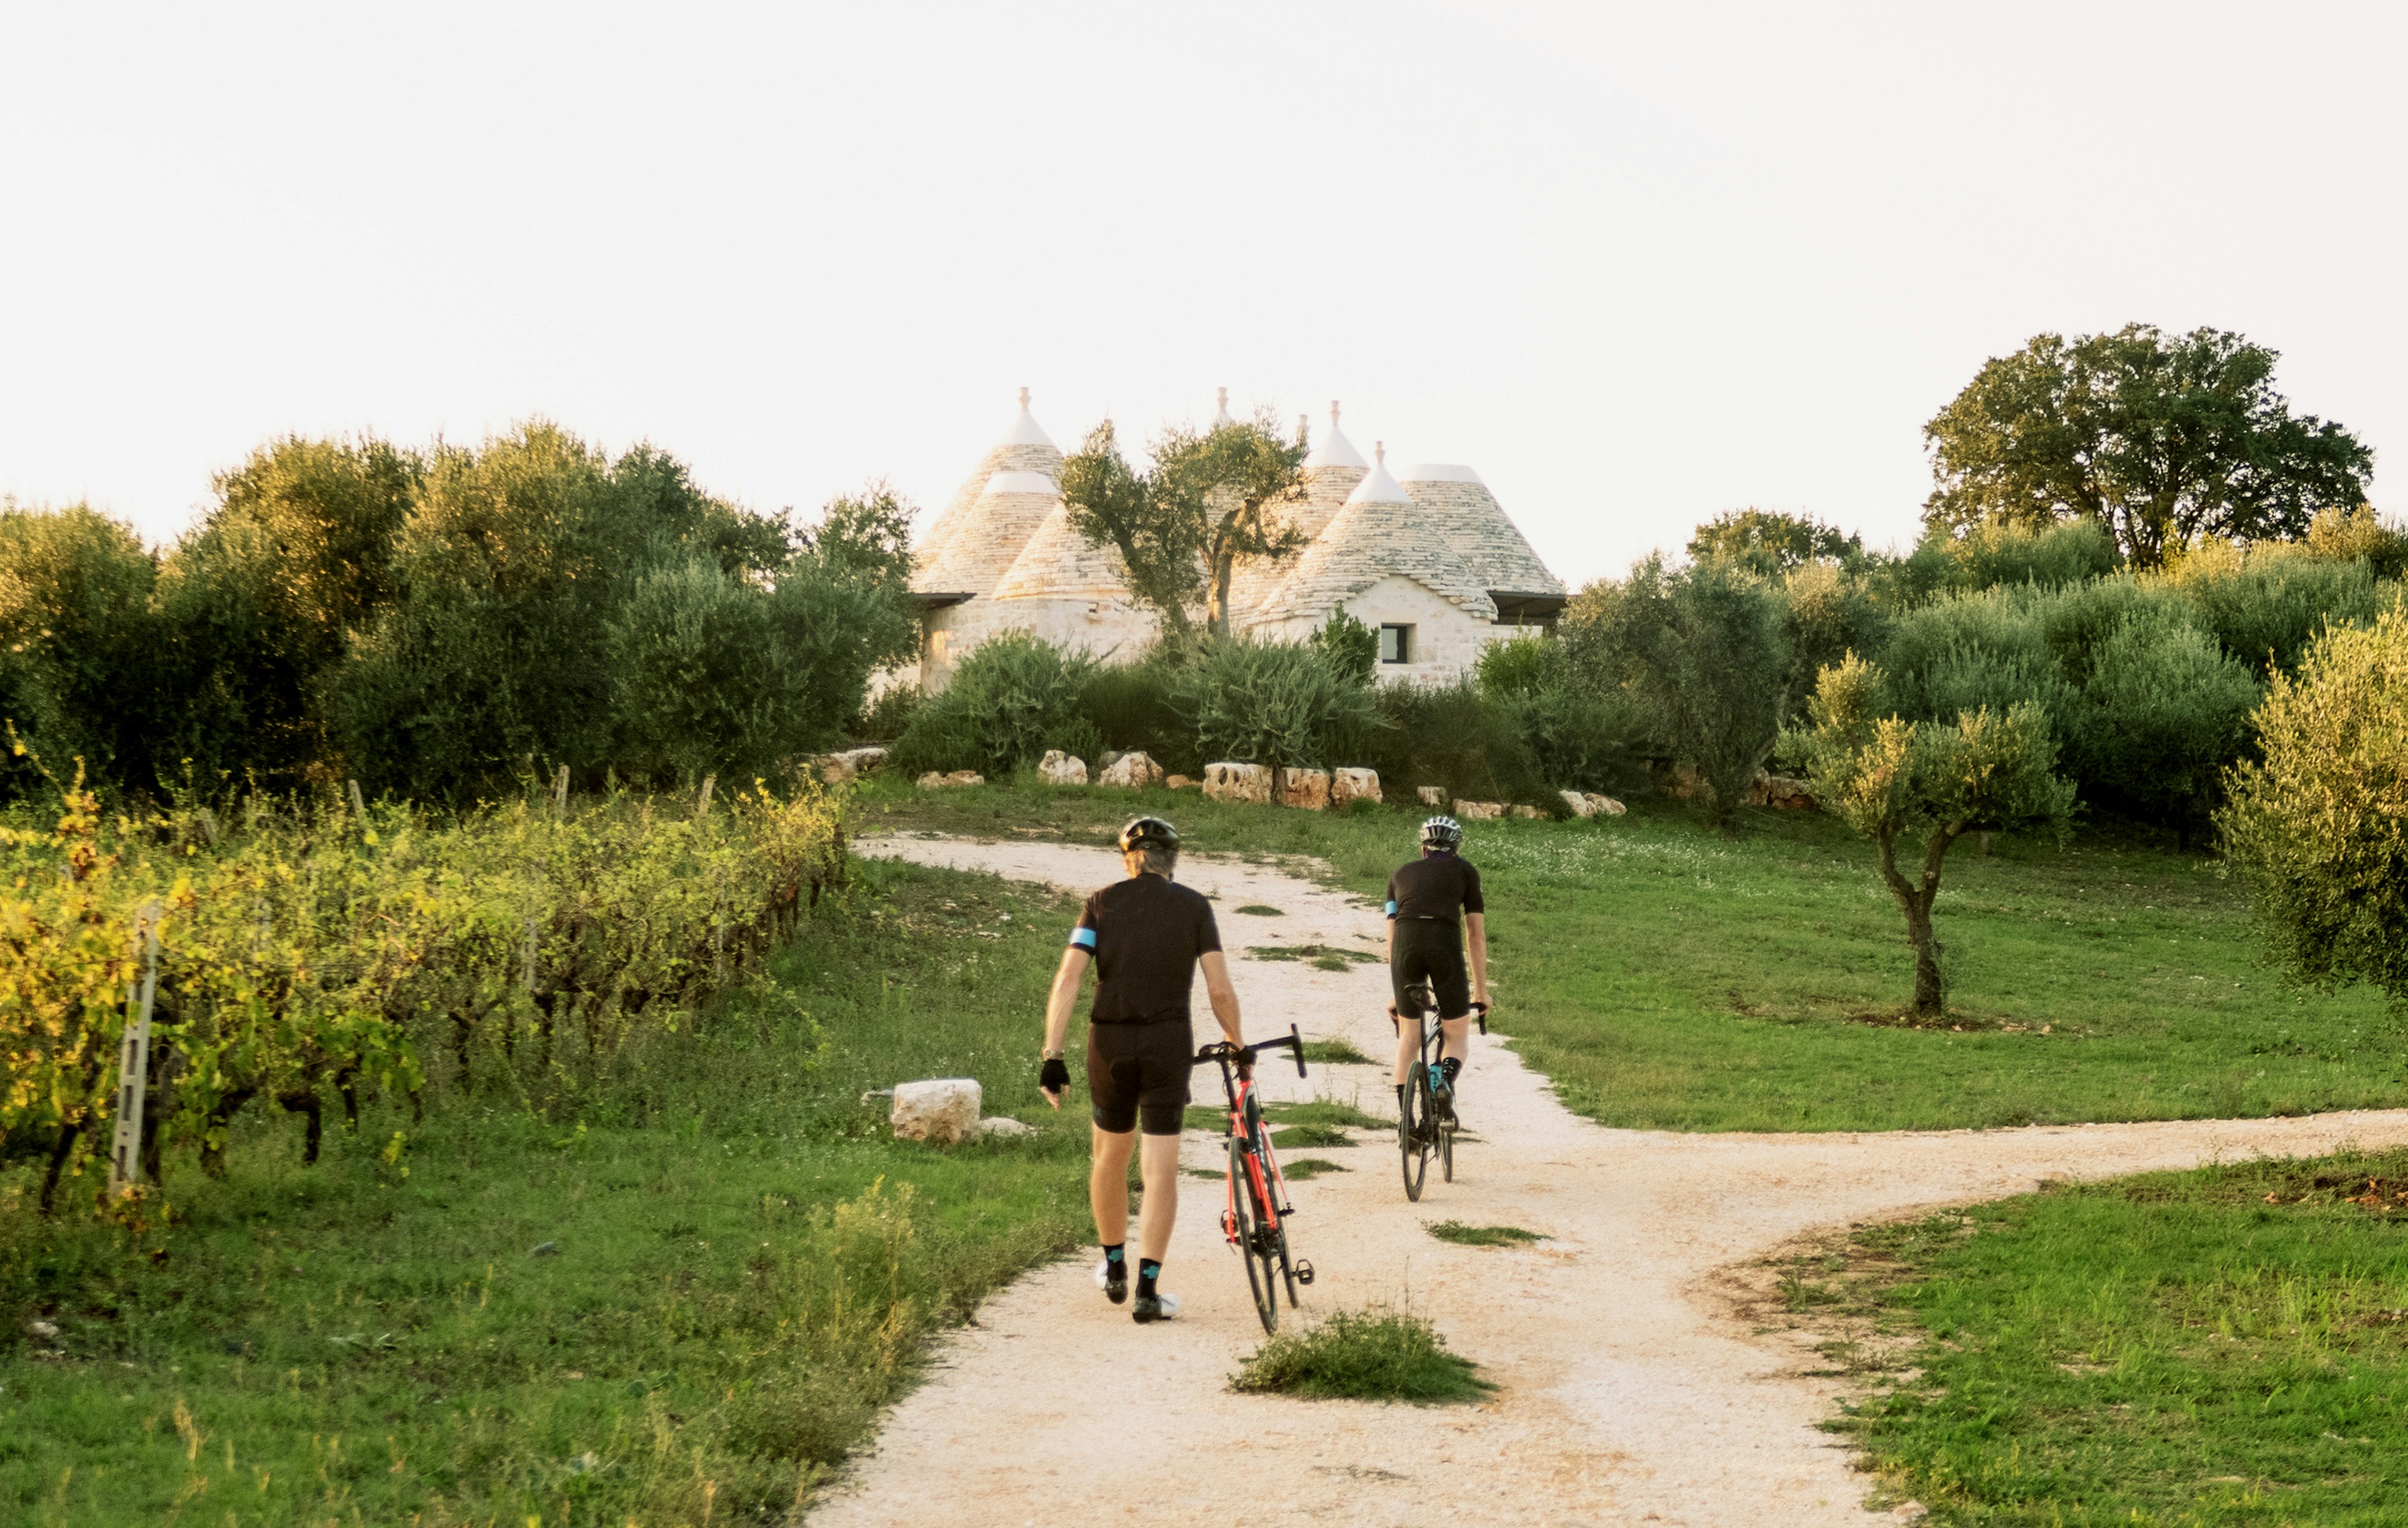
1429, 560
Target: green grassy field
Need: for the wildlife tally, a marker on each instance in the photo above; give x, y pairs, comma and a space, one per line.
2180, 1350
680, 1303
1669, 976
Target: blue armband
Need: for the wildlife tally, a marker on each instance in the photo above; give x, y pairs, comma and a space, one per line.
1392, 907
1082, 939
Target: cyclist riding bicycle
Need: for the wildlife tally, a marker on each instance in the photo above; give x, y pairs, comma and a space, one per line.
1146, 936
1433, 903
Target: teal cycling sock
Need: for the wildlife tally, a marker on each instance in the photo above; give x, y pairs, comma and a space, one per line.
1117, 1255
1148, 1270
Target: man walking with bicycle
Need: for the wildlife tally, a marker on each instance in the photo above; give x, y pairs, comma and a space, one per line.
1146, 936
1434, 904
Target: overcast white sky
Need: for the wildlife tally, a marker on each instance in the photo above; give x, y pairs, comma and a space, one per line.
1638, 265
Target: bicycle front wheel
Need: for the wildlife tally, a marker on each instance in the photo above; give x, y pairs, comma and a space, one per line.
1250, 1234
1414, 1121
1446, 1149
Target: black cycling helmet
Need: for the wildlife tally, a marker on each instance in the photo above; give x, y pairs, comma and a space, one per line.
1148, 830
1442, 832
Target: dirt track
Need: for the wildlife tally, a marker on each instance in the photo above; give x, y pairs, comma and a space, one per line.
1629, 1396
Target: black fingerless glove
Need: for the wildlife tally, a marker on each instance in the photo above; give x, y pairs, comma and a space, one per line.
1054, 1075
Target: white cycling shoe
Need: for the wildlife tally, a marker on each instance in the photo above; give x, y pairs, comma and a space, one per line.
1154, 1308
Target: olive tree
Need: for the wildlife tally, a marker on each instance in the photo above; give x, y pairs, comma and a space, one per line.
1895, 781
1210, 501
2320, 822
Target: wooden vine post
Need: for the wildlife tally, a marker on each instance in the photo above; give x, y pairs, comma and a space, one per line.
134, 1055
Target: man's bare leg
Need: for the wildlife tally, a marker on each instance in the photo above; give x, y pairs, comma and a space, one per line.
1158, 1167
1108, 1185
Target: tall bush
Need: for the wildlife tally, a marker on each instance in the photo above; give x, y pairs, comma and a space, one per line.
1706, 651
79, 654
1275, 703
1011, 698
2163, 711
2320, 823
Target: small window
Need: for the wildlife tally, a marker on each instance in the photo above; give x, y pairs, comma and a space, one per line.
1395, 644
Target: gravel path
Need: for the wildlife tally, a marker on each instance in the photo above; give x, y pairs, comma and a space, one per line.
1629, 1392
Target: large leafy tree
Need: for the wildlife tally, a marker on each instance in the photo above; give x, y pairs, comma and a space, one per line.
2163, 440
79, 650
258, 601
1210, 502
1895, 780
1772, 542
2321, 823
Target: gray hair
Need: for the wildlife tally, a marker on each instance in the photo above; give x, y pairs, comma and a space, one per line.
1162, 859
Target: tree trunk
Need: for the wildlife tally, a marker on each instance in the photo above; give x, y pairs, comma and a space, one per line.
1930, 993
1930, 998
1216, 597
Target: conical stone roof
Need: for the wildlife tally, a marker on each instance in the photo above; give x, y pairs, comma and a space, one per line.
1459, 507
1380, 533
991, 531
1060, 564
1024, 448
1329, 473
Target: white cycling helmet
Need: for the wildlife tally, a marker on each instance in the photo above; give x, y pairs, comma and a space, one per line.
1442, 832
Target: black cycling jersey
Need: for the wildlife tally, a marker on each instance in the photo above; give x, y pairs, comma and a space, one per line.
1437, 888
1146, 933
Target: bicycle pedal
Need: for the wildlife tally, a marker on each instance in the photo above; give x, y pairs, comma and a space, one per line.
1303, 1272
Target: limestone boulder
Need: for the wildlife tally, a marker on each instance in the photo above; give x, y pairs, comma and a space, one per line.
942, 1109
1060, 768
1432, 795
1478, 811
1779, 792
1348, 786
1181, 782
1305, 788
932, 781
1518, 809
1589, 804
836, 768
1004, 1127
1248, 784
1131, 772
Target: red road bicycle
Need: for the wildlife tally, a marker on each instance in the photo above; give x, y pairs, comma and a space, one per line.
1256, 1217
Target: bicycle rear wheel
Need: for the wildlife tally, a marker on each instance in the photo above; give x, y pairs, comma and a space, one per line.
1414, 1132
1251, 1235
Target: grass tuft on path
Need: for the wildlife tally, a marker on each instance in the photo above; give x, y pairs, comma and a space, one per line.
1335, 1053
1482, 1235
1365, 1355
2216, 1347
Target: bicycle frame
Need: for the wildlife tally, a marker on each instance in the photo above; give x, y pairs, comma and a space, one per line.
1256, 1225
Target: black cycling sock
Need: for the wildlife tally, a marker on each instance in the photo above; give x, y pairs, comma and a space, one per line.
1116, 1255
1148, 1270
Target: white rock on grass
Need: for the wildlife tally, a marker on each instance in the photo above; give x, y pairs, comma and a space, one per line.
932, 781
1432, 795
836, 768
1478, 811
1060, 768
1518, 809
1589, 804
1306, 788
942, 1109
1131, 772
1004, 1127
1248, 783
1351, 785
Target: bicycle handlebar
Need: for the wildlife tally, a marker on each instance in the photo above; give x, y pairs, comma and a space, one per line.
1223, 1050
1480, 1010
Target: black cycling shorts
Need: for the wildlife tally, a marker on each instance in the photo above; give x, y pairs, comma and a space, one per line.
1432, 951
1139, 1072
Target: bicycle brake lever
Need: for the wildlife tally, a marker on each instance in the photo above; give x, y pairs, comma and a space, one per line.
1295, 1045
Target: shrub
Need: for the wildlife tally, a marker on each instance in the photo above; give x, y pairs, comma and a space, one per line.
1011, 698
2317, 823
1131, 708
883, 720
1450, 735
1705, 653
78, 650
1370, 1355
1274, 703
2062, 552
1353, 648
2348, 535
2266, 606
2163, 713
